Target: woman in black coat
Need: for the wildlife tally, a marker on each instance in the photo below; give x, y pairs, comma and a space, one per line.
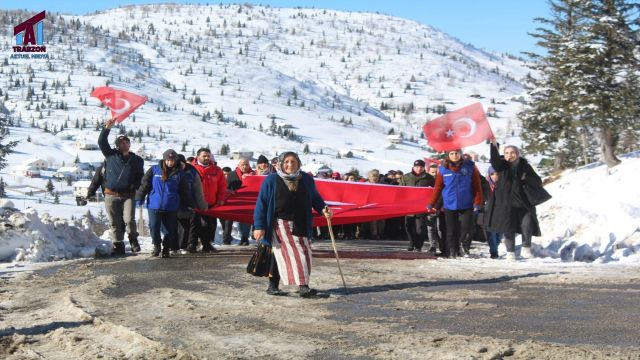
509, 211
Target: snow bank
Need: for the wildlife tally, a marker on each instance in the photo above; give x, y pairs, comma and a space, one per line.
28, 237
594, 215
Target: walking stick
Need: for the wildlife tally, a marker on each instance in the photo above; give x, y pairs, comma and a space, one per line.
335, 250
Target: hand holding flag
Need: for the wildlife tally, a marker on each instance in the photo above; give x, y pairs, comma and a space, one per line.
122, 103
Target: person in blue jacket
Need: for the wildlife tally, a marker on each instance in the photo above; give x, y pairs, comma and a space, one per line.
165, 186
283, 220
458, 183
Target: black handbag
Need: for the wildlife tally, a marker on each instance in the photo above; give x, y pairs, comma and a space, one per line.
262, 261
536, 194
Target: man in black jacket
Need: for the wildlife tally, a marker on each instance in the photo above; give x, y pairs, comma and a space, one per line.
416, 225
123, 173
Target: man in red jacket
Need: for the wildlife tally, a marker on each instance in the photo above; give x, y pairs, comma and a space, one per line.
214, 187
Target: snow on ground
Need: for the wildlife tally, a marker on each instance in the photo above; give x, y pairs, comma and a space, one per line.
30, 237
593, 215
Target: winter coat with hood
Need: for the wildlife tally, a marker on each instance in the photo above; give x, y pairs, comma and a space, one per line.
164, 194
214, 184
505, 209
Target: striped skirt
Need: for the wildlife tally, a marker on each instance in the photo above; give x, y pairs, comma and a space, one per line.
292, 253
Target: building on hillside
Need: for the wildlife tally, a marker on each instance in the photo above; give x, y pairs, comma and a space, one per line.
26, 170
242, 153
35, 163
316, 168
394, 139
72, 172
84, 144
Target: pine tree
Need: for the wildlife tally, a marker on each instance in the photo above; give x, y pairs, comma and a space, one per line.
587, 84
50, 187
3, 192
613, 88
56, 198
5, 148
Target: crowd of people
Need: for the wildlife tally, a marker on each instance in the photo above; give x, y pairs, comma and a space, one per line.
465, 205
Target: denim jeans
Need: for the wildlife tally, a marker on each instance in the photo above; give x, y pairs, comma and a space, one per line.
493, 238
167, 220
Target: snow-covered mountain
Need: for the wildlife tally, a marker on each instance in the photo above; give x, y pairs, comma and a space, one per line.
234, 74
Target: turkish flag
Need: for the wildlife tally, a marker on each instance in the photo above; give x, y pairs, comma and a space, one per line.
351, 202
457, 129
122, 103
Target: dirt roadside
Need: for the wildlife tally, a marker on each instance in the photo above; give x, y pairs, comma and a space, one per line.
209, 308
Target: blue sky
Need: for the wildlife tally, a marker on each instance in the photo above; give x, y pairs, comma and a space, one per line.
499, 25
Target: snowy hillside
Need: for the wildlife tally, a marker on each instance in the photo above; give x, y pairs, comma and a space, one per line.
218, 74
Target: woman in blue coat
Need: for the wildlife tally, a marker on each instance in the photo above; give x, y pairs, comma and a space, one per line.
283, 220
165, 186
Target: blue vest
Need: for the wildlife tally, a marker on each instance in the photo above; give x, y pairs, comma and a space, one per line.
164, 195
457, 193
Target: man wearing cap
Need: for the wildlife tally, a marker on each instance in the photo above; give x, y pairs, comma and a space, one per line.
416, 225
123, 173
214, 186
263, 167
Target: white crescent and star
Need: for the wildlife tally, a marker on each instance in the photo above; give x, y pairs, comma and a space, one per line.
470, 123
126, 106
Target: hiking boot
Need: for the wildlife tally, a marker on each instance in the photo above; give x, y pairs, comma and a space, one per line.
156, 251
432, 251
274, 290
135, 246
165, 253
306, 291
244, 243
118, 248
410, 248
191, 249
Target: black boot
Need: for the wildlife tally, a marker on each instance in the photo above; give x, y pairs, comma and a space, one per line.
135, 246
273, 288
156, 251
306, 291
118, 248
165, 253
244, 242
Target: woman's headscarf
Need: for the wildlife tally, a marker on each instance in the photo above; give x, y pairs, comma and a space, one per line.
290, 179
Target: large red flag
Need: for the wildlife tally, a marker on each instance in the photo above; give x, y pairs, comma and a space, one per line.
457, 129
351, 202
122, 103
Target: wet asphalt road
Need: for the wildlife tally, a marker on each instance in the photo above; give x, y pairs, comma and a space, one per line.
595, 315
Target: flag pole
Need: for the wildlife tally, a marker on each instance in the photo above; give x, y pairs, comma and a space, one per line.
335, 249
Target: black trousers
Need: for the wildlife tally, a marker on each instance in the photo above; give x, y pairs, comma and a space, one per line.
458, 226
416, 230
526, 226
432, 232
203, 228
184, 231
227, 227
